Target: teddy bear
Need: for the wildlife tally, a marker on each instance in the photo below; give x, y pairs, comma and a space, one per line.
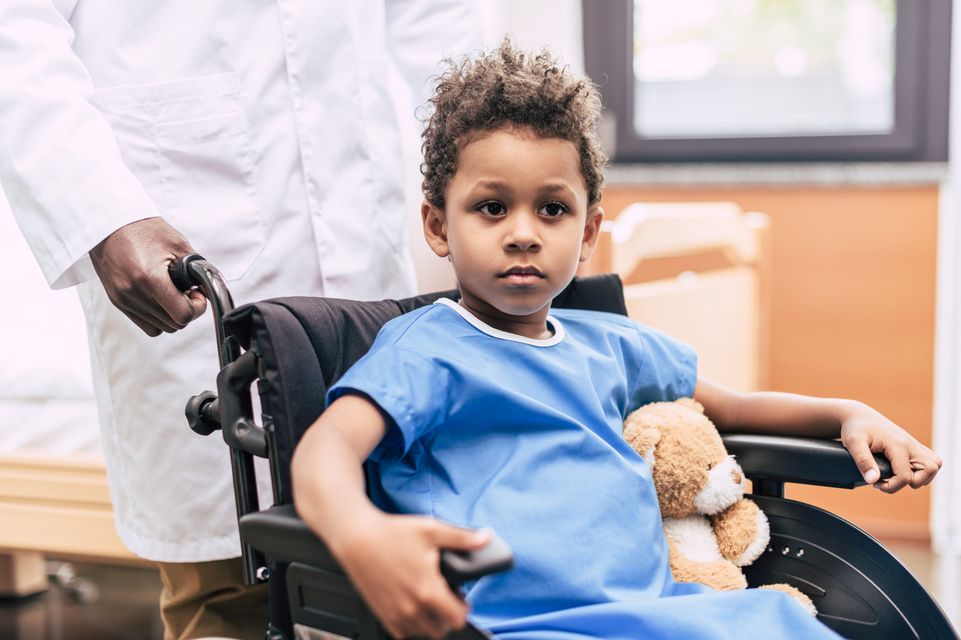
711, 528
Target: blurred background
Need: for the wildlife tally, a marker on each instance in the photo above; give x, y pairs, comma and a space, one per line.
783, 193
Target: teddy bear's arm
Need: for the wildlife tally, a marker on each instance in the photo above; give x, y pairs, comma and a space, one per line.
718, 574
642, 439
742, 532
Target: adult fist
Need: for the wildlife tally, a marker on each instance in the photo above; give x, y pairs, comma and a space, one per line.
132, 265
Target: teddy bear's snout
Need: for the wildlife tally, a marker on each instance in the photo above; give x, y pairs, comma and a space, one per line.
724, 487
737, 473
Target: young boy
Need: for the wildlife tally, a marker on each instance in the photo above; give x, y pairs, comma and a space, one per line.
497, 412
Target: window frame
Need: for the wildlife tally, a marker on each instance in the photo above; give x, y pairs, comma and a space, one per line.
921, 90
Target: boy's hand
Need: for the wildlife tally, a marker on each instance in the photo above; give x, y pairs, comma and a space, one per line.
865, 431
394, 562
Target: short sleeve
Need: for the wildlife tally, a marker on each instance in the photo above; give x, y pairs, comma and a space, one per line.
667, 368
410, 389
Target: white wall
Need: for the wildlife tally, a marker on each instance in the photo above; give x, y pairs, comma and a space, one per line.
44, 334
45, 371
536, 24
946, 518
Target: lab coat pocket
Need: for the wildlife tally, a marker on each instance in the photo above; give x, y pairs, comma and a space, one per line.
207, 176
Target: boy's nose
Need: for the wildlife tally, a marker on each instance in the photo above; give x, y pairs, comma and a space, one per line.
523, 235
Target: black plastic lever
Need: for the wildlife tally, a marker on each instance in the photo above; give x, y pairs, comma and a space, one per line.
179, 271
459, 567
203, 413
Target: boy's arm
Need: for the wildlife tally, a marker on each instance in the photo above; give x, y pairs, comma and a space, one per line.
392, 560
861, 429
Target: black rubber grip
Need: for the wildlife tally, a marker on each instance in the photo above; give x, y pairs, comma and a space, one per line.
180, 274
460, 566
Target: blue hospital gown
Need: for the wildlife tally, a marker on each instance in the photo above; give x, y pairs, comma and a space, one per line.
523, 436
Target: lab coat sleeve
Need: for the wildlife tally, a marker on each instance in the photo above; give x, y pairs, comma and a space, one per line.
420, 33
60, 165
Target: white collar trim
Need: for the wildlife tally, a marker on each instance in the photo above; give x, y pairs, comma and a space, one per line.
506, 335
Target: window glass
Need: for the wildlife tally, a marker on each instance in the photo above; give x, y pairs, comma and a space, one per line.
743, 68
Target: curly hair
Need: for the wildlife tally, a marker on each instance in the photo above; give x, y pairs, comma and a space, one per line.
507, 87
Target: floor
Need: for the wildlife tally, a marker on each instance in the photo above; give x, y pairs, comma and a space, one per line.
126, 607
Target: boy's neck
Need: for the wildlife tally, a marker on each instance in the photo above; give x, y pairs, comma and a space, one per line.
533, 326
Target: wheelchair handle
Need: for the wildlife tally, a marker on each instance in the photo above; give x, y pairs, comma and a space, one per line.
193, 271
206, 411
180, 272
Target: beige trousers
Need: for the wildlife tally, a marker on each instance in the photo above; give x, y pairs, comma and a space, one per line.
209, 599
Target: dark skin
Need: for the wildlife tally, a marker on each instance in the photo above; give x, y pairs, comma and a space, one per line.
132, 266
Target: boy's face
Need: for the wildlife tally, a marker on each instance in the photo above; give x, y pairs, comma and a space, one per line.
515, 225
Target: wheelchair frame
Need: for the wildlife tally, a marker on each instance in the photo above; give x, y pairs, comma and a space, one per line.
860, 589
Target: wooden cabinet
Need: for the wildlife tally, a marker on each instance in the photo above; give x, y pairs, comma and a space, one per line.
852, 312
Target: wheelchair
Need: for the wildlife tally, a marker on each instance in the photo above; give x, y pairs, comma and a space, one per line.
295, 348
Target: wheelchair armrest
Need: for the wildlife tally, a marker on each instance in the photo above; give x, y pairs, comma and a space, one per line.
802, 460
283, 536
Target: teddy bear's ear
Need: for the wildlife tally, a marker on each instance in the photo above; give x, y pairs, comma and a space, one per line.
690, 403
643, 440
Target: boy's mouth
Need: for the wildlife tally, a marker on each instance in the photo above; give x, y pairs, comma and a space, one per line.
521, 274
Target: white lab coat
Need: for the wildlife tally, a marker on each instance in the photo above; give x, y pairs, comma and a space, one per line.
265, 132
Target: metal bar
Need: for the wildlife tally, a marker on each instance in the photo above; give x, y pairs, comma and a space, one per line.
194, 270
214, 287
767, 487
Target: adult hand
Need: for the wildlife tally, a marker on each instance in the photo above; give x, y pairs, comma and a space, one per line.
865, 430
132, 265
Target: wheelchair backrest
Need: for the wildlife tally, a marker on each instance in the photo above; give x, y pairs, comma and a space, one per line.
304, 345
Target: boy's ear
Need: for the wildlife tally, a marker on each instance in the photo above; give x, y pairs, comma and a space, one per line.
592, 230
435, 229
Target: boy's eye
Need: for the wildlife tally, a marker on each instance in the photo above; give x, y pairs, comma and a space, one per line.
492, 208
552, 209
